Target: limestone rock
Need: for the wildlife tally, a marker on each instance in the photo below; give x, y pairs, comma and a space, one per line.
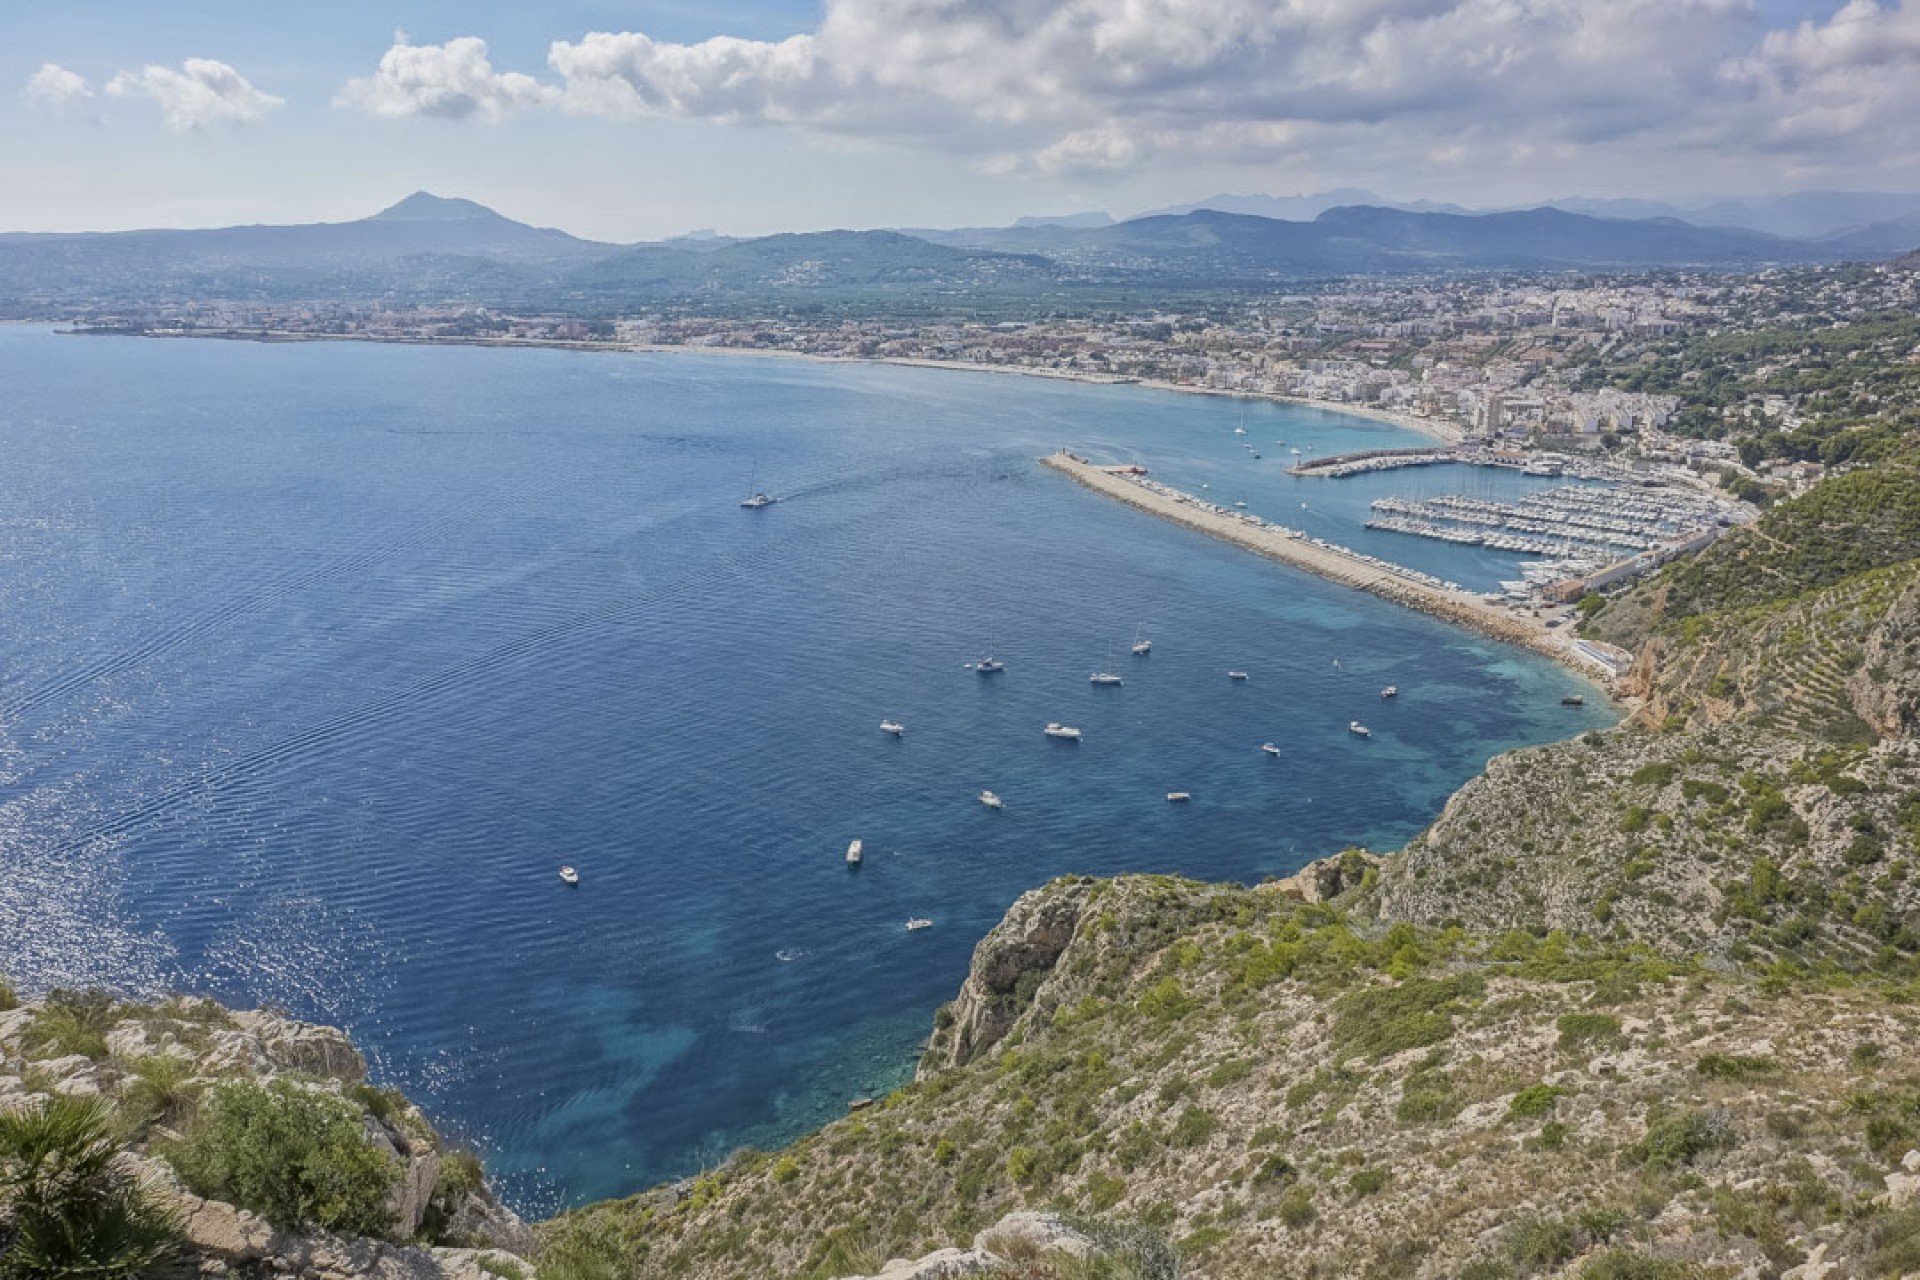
1036, 1233
937, 1266
1903, 1189
1024, 945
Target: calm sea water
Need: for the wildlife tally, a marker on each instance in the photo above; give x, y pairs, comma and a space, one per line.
318, 660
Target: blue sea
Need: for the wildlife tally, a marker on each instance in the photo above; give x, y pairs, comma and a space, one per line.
318, 660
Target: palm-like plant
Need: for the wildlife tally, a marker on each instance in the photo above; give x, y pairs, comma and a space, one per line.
67, 1212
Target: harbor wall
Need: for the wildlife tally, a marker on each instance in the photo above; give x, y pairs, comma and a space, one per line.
1290, 547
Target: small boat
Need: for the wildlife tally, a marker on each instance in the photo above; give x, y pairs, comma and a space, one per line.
1358, 730
1057, 730
919, 922
1178, 797
1239, 431
1103, 677
1391, 691
1141, 645
755, 497
1236, 675
854, 850
569, 875
893, 727
990, 800
1574, 700
1270, 749
989, 666
1241, 506
1256, 455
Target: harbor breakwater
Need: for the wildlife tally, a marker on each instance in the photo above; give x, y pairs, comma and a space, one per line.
1336, 564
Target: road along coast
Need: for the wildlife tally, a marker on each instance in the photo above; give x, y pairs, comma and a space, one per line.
1337, 564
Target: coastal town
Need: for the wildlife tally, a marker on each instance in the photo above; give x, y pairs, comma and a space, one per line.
1556, 361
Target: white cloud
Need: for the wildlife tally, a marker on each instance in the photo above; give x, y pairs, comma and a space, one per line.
202, 92
54, 88
1113, 86
454, 81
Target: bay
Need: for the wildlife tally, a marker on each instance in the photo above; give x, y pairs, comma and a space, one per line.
318, 660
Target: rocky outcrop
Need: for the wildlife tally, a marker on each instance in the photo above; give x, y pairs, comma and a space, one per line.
1325, 879
1008, 966
1023, 1237
116, 1046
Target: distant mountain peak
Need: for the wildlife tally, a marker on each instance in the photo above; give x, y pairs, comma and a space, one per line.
424, 206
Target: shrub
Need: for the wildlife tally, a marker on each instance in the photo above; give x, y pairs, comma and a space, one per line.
1680, 1138
1105, 1191
1657, 774
294, 1156
1417, 1012
1534, 1101
786, 1169
71, 1213
1368, 1181
1619, 1264
160, 1091
1895, 1241
1296, 1207
1194, 1127
1735, 1066
1542, 1242
1578, 1029
72, 1022
8, 998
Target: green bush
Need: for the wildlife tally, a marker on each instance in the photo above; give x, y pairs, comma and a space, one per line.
295, 1156
1296, 1206
1542, 1242
1579, 1029
1895, 1244
1380, 1021
1104, 1191
72, 1022
1735, 1066
1657, 774
1368, 1181
1619, 1264
159, 1090
69, 1213
1679, 1138
1194, 1127
8, 998
1534, 1101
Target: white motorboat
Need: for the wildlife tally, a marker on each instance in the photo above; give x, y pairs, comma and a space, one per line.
1270, 749
990, 800
756, 498
1178, 797
1236, 675
1056, 730
893, 727
854, 850
569, 875
1391, 691
919, 922
1358, 730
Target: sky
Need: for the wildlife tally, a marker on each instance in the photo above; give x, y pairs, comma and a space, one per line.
637, 119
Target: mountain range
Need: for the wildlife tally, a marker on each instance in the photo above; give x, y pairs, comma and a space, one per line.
432, 250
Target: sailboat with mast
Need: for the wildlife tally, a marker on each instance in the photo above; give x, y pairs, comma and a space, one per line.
756, 497
989, 665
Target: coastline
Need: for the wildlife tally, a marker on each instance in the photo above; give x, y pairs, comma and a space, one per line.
1335, 564
1446, 432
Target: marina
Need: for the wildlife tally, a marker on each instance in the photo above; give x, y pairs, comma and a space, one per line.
1425, 592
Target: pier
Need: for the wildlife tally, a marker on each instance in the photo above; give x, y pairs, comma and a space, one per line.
1419, 591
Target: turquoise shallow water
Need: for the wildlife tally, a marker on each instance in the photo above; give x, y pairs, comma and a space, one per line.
319, 659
